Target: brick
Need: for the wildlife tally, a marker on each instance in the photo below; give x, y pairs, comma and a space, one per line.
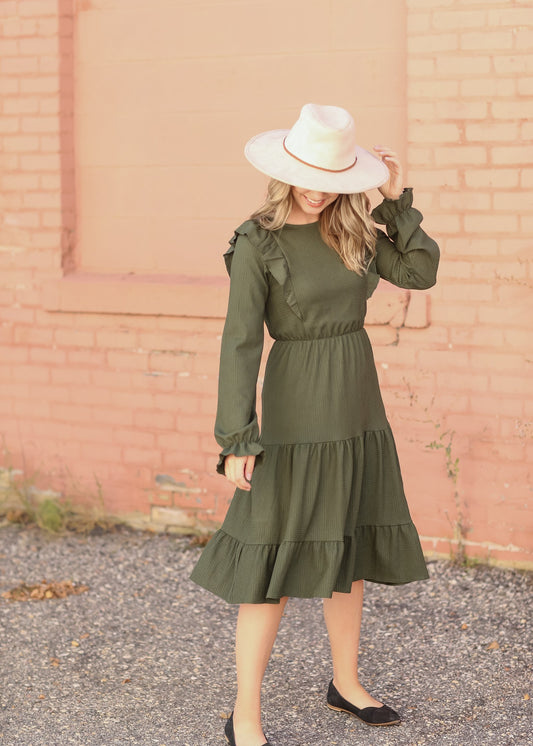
420, 67
505, 64
511, 110
38, 46
33, 373
161, 361
434, 132
487, 39
491, 87
133, 399
37, 8
47, 355
40, 124
492, 177
50, 65
512, 154
497, 361
418, 23
511, 17
75, 376
19, 65
92, 395
460, 109
517, 385
28, 105
98, 454
178, 442
444, 360
154, 420
526, 131
519, 338
439, 178
465, 201
491, 131
432, 89
523, 38
477, 337
40, 84
40, 162
491, 223
488, 404
134, 438
432, 43
458, 19
455, 65
19, 182
512, 201
463, 155
118, 338
51, 219
21, 144
525, 86
123, 360
454, 314
14, 355
74, 337
9, 125
141, 457
33, 409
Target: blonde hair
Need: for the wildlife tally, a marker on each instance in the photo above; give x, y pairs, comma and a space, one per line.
345, 225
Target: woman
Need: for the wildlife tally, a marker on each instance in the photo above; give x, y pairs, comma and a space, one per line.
319, 505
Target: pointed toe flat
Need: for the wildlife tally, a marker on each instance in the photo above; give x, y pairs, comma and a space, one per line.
230, 733
383, 715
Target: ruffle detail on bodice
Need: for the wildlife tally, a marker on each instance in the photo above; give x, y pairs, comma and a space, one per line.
273, 257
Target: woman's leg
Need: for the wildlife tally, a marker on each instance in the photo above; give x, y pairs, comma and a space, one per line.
342, 613
257, 626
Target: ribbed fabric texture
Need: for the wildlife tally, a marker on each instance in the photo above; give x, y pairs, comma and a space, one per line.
327, 505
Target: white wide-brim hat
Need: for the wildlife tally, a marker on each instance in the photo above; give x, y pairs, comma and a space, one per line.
319, 153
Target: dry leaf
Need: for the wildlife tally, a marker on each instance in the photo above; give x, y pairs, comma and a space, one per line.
526, 697
75, 644
54, 662
126, 681
464, 626
493, 646
44, 591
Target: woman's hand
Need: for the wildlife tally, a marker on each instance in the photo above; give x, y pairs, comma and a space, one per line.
393, 188
238, 469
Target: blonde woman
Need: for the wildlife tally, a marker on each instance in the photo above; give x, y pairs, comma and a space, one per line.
319, 505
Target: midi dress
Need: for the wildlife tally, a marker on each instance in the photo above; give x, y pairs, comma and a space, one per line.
327, 505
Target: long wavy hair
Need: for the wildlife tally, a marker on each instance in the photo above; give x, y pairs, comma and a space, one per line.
345, 225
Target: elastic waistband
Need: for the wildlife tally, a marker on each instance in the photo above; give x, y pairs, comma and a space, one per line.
319, 339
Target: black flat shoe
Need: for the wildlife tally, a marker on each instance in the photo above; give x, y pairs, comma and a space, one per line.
383, 715
230, 733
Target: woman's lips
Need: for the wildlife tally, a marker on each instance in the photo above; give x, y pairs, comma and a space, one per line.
312, 203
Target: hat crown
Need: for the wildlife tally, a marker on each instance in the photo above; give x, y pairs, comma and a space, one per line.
324, 137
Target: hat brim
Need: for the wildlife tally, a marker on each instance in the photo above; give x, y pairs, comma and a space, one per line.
267, 154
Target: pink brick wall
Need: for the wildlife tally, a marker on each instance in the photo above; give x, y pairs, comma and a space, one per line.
108, 380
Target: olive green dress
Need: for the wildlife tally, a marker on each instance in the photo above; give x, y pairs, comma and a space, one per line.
327, 504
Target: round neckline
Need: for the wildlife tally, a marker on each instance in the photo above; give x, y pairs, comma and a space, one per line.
300, 225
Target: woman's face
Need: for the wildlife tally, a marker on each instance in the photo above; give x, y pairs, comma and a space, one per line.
308, 204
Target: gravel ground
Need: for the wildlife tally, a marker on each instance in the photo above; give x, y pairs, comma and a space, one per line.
145, 656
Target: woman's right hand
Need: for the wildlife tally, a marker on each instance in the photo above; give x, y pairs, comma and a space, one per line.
238, 469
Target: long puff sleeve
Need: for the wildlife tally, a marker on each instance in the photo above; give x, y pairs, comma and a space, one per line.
236, 426
408, 258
